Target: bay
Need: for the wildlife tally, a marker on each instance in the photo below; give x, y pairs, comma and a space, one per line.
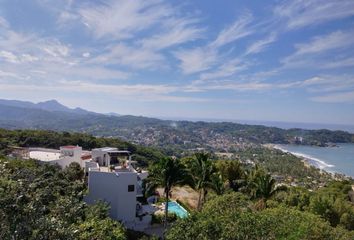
332, 159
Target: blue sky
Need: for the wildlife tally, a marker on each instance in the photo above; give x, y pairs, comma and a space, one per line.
232, 59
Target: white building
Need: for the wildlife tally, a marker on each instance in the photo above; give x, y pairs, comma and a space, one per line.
119, 185
62, 157
107, 156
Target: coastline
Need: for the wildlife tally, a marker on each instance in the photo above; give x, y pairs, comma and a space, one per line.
312, 161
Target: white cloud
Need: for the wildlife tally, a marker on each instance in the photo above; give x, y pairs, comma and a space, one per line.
225, 70
260, 45
312, 54
249, 86
334, 40
12, 58
56, 59
329, 83
86, 54
55, 48
203, 58
196, 60
304, 13
136, 92
134, 57
239, 29
341, 97
122, 18
65, 17
6, 75
339, 63
4, 23
8, 57
177, 31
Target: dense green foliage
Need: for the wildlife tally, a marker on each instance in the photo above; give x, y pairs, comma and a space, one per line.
262, 210
333, 203
288, 166
232, 216
40, 201
49, 139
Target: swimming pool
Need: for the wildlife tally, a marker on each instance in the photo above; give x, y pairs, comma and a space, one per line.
174, 207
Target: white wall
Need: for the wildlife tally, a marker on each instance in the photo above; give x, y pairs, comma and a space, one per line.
65, 161
113, 189
100, 156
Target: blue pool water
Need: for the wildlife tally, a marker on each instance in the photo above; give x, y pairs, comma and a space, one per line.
174, 207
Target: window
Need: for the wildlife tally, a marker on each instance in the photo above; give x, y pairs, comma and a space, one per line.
131, 188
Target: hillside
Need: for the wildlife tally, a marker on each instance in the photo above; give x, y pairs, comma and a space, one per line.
173, 136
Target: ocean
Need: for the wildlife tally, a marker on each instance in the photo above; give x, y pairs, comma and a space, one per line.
332, 159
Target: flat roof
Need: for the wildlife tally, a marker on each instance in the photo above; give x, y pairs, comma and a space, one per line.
106, 149
44, 156
112, 150
70, 146
119, 151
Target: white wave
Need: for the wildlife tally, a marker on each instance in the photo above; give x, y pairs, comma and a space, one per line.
312, 160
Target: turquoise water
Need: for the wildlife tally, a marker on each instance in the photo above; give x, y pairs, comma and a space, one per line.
333, 159
177, 209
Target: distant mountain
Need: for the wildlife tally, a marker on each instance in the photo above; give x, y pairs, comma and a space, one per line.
51, 106
173, 136
113, 114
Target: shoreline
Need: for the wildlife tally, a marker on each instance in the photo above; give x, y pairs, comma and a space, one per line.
312, 161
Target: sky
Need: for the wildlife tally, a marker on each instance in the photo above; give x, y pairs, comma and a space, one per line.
256, 60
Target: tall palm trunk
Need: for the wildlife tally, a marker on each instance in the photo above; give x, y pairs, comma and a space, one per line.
199, 206
205, 192
167, 191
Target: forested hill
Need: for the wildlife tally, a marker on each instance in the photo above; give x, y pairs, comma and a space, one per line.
180, 135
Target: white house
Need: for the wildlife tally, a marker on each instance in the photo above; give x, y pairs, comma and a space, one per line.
119, 185
107, 156
118, 189
62, 157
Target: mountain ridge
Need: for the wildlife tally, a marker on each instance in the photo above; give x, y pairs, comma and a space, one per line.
49, 105
175, 136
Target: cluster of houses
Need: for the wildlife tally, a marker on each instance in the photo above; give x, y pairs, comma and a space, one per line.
112, 178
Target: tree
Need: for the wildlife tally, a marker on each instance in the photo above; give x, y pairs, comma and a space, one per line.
42, 201
217, 183
166, 173
264, 186
232, 171
201, 170
261, 185
230, 217
74, 172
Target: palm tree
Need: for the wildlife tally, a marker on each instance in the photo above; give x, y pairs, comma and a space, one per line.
166, 173
201, 170
217, 183
231, 170
262, 185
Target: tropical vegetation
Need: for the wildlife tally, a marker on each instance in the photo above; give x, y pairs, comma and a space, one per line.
236, 200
